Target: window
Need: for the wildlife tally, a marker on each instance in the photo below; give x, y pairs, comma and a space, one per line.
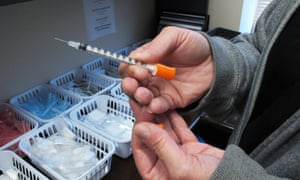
259, 9
251, 11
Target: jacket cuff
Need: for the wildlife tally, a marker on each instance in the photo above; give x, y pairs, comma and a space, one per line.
236, 164
219, 101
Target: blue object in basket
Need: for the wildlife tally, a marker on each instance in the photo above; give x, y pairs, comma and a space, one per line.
45, 107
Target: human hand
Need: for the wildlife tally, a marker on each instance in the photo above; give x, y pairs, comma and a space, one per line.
189, 52
172, 152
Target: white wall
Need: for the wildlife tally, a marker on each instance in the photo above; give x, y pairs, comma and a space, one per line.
225, 14
29, 54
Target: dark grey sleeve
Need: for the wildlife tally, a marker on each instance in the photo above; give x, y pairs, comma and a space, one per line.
238, 165
235, 63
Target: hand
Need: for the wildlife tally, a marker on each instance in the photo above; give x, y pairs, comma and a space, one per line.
189, 52
172, 152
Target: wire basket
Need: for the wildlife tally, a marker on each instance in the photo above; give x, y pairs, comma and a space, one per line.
11, 161
45, 102
118, 131
84, 83
24, 126
103, 148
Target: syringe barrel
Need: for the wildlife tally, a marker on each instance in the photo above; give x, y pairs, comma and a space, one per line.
159, 70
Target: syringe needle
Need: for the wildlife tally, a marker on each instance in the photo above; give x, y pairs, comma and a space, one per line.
73, 44
61, 40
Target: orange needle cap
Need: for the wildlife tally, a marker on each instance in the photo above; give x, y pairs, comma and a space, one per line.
165, 71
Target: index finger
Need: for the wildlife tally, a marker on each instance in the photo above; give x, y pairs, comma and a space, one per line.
181, 129
138, 72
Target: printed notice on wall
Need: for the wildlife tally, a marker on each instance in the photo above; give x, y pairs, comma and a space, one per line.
99, 17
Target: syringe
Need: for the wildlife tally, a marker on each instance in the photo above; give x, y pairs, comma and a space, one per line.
159, 70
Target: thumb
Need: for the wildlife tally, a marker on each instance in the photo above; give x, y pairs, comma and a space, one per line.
163, 145
155, 50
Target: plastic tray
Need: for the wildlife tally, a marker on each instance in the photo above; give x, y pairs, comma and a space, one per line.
110, 106
43, 91
30, 122
95, 84
118, 92
9, 160
103, 148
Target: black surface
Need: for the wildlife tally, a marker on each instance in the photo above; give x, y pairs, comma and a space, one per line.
186, 6
122, 169
223, 32
213, 133
8, 2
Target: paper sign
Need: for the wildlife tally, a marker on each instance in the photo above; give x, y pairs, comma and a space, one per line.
100, 18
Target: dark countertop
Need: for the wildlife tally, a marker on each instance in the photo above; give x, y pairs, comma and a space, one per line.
122, 169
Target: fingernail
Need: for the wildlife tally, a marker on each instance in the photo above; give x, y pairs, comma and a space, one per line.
149, 111
142, 131
146, 109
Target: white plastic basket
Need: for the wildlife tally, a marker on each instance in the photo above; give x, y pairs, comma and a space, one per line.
104, 148
43, 91
95, 84
125, 51
109, 106
119, 93
111, 66
95, 66
18, 115
11, 161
